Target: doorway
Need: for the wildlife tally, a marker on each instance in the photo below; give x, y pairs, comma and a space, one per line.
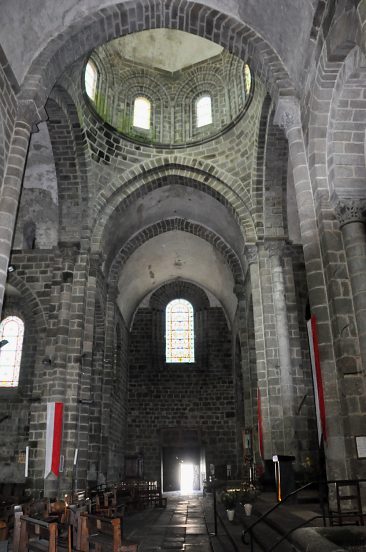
181, 469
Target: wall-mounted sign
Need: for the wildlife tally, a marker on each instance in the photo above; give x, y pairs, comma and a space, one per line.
361, 446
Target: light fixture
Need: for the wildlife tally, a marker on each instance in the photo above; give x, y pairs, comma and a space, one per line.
11, 268
46, 361
3, 342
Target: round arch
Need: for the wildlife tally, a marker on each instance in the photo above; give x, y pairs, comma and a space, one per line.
154, 174
124, 18
168, 226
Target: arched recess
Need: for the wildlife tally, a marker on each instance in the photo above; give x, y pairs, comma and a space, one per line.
121, 19
146, 176
346, 130
341, 40
68, 145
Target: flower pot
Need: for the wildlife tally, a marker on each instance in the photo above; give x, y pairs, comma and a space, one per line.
230, 514
248, 509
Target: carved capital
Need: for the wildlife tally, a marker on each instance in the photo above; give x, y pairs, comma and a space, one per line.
350, 210
251, 253
69, 250
287, 114
275, 248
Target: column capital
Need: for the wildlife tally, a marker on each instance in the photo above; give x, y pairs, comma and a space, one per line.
288, 114
275, 247
251, 253
350, 210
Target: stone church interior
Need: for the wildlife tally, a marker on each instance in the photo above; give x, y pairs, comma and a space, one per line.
182, 255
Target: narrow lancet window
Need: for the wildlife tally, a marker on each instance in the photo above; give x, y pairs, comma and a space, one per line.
179, 331
11, 345
204, 111
91, 78
142, 113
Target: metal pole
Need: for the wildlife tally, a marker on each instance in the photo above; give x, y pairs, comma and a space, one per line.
214, 505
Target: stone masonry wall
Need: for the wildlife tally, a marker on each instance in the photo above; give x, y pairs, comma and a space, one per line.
198, 396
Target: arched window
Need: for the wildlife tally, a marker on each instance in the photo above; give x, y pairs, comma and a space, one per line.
11, 334
142, 113
204, 111
91, 78
179, 331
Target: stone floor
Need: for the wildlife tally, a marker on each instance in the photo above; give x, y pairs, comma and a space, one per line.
185, 524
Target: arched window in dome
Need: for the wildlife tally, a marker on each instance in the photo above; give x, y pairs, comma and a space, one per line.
91, 79
142, 113
11, 332
179, 331
204, 111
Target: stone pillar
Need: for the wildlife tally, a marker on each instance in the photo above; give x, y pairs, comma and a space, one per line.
352, 217
289, 118
276, 250
26, 118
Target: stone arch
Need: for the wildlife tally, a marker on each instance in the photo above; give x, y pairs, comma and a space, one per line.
124, 18
168, 226
147, 176
68, 140
31, 300
179, 289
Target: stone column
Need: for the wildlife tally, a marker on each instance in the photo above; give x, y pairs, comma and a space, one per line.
276, 250
259, 379
289, 118
26, 118
352, 217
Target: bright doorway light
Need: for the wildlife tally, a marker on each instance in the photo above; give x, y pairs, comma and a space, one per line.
186, 478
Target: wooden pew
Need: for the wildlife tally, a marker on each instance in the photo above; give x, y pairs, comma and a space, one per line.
38, 535
103, 534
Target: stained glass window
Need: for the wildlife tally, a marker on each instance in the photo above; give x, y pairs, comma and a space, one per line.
204, 111
247, 79
91, 77
142, 113
179, 331
12, 331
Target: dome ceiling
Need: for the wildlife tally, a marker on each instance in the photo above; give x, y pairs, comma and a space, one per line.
164, 49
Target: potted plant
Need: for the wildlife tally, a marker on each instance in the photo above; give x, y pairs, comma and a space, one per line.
229, 500
248, 494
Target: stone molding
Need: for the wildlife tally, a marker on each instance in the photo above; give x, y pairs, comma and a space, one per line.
287, 115
350, 210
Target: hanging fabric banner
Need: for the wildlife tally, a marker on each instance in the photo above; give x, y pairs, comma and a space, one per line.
53, 438
317, 379
260, 424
